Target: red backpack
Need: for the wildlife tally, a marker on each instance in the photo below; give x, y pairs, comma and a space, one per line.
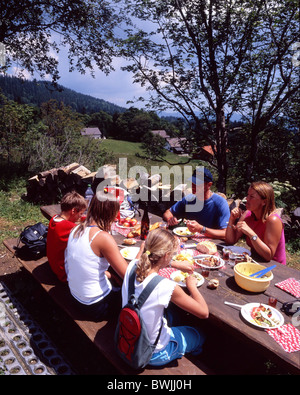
131, 337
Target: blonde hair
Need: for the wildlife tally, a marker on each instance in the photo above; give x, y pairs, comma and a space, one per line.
158, 243
266, 192
102, 210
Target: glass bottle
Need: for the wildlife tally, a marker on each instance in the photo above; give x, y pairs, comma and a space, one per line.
145, 223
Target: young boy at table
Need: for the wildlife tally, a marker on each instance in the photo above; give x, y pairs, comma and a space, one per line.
72, 206
174, 341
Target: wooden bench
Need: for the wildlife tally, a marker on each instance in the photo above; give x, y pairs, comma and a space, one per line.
100, 333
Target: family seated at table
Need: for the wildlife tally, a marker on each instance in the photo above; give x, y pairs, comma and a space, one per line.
91, 250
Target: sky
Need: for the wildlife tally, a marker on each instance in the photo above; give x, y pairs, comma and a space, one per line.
116, 88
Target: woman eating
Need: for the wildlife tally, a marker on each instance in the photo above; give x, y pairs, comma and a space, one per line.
260, 223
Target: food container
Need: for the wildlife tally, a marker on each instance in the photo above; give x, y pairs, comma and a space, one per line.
242, 272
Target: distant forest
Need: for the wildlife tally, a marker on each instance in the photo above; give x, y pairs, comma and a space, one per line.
38, 92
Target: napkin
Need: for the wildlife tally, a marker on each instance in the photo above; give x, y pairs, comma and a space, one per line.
167, 271
199, 237
123, 231
287, 336
290, 285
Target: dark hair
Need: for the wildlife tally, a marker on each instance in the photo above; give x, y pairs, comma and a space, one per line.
102, 210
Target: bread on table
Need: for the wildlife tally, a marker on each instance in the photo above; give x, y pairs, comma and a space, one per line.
207, 247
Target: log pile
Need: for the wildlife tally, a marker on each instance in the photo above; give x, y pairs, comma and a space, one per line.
49, 186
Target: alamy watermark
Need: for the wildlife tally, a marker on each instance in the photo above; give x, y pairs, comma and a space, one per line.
296, 55
2, 55
2, 314
147, 192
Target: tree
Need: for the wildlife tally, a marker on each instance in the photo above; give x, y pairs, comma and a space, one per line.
15, 121
31, 29
201, 58
154, 146
133, 124
102, 120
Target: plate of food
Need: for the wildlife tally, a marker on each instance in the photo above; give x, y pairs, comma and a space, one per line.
262, 315
180, 278
129, 253
183, 256
183, 231
209, 261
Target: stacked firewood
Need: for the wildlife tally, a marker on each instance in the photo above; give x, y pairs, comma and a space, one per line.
49, 186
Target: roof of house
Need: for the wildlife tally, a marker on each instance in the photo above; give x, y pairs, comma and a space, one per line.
208, 148
91, 132
175, 142
161, 133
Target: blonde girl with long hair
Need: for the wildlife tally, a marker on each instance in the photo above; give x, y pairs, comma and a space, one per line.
91, 250
174, 342
260, 223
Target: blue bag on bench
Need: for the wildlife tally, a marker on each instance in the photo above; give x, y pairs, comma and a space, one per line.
34, 239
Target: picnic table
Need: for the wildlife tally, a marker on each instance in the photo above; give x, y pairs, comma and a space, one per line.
229, 318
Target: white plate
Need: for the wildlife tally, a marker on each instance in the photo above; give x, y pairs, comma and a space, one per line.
129, 253
246, 313
183, 284
237, 249
183, 231
202, 257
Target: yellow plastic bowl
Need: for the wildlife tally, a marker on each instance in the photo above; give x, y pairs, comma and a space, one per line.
242, 272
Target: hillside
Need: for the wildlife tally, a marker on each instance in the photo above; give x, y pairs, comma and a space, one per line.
37, 92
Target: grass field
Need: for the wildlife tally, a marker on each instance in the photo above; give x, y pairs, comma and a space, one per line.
174, 170
127, 149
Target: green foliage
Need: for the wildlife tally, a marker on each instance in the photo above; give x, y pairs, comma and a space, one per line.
15, 122
52, 139
210, 59
134, 124
277, 161
33, 31
154, 146
282, 192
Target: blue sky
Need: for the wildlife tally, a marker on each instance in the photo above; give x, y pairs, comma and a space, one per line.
116, 88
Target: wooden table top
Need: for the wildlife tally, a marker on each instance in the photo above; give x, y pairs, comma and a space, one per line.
229, 318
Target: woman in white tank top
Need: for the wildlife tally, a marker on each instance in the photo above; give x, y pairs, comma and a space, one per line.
90, 251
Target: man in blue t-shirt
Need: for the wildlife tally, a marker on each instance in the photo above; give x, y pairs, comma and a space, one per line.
207, 212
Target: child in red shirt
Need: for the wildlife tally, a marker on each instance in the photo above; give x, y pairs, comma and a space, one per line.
73, 206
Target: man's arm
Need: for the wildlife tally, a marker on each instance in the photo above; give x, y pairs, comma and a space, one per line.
169, 218
194, 227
